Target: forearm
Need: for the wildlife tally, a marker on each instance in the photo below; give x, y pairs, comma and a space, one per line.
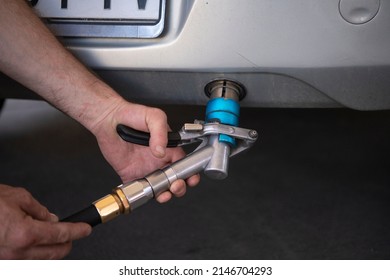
31, 55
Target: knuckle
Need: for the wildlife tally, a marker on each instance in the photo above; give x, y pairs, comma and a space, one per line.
62, 236
24, 195
21, 191
22, 238
158, 114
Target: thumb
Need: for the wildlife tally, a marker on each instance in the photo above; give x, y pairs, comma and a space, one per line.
156, 121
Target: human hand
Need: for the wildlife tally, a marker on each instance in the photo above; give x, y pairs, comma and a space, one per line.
132, 161
29, 231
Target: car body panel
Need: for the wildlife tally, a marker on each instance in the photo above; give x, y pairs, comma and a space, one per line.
300, 53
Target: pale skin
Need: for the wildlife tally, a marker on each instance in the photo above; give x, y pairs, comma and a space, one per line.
31, 55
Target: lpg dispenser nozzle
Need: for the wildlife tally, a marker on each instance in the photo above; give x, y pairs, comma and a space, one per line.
220, 138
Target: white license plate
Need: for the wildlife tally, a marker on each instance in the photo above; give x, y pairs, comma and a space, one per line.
99, 10
103, 18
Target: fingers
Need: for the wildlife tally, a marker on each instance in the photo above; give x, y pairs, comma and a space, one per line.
178, 188
193, 180
32, 207
31, 233
164, 197
50, 252
146, 119
33, 239
57, 233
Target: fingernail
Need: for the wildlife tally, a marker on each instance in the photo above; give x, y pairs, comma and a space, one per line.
160, 151
174, 188
88, 231
53, 217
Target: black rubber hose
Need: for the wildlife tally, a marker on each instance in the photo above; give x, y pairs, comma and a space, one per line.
89, 215
142, 138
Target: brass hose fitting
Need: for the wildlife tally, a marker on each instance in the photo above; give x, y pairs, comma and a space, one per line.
112, 205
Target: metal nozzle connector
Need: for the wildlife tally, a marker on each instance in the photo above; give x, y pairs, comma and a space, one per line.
135, 194
108, 207
112, 205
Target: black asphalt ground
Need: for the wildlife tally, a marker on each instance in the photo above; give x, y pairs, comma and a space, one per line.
315, 186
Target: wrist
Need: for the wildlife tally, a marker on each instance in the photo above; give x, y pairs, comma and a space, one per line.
98, 103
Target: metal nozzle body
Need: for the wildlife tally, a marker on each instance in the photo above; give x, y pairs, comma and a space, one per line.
223, 107
141, 191
129, 196
218, 166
